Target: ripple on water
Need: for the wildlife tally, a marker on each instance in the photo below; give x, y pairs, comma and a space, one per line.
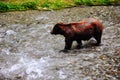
30, 67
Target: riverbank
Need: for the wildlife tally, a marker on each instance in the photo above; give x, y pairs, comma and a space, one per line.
20, 5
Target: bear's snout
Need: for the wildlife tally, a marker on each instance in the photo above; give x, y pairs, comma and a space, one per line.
52, 32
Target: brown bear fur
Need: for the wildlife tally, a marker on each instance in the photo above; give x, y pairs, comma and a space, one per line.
82, 30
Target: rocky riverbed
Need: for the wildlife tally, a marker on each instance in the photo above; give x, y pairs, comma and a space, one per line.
29, 52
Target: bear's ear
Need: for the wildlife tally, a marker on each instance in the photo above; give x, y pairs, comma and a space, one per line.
57, 25
60, 25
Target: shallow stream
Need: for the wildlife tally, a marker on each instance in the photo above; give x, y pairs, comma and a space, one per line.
29, 52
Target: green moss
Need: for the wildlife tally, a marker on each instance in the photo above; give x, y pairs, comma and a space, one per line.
54, 5
10, 7
96, 2
3, 7
29, 5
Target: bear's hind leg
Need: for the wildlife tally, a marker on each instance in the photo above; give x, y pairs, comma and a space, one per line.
98, 39
79, 45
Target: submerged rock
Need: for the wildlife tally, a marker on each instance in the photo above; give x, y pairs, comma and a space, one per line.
10, 32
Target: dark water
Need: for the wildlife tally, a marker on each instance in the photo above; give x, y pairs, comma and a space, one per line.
29, 52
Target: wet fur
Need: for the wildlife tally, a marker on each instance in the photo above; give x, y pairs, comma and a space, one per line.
82, 30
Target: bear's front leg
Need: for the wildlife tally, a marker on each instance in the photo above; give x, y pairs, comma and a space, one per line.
68, 44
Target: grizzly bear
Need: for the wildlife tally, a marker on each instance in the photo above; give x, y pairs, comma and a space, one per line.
82, 30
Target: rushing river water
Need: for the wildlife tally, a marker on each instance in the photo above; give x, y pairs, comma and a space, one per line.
29, 52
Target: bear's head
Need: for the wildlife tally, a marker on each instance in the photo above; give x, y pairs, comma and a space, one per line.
58, 29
